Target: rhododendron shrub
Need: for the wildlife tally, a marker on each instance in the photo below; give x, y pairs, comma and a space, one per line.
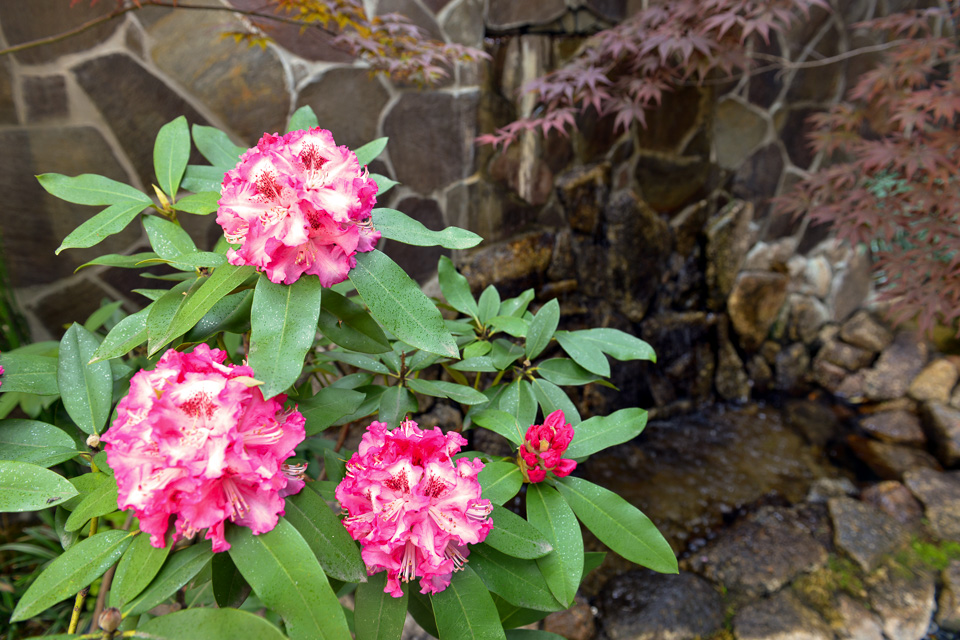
197, 452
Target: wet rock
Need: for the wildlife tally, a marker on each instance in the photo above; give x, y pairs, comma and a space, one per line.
865, 331
943, 425
518, 263
898, 427
826, 488
761, 553
353, 122
791, 367
863, 532
855, 621
738, 129
948, 605
526, 175
828, 375
935, 382
755, 303
758, 178
26, 21
905, 604
760, 373
817, 422
583, 193
940, 495
8, 109
464, 23
767, 256
896, 367
807, 316
890, 461
727, 243
731, 381
45, 97
817, 277
845, 355
507, 14
643, 605
895, 500
668, 182
576, 623
781, 617
852, 388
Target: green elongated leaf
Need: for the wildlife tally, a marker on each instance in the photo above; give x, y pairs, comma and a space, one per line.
421, 608
565, 372
489, 304
368, 152
552, 398
199, 178
422, 360
35, 442
86, 389
168, 240
325, 535
513, 616
209, 624
516, 327
601, 432
517, 581
127, 334
349, 325
357, 360
79, 565
67, 538
216, 146
562, 567
518, 400
618, 524
465, 611
443, 389
92, 189
170, 154
395, 403
384, 183
399, 304
585, 353
618, 344
517, 306
284, 574
500, 481
304, 118
532, 634
230, 313
200, 204
29, 373
164, 310
284, 325
229, 587
378, 615
396, 225
504, 353
136, 569
197, 260
474, 349
456, 288
592, 560
30, 487
501, 422
371, 401
335, 465
99, 317
542, 328
98, 502
111, 220
177, 571
85, 484
477, 363
132, 261
327, 406
516, 537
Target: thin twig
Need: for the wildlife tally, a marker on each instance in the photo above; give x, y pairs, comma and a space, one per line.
82, 596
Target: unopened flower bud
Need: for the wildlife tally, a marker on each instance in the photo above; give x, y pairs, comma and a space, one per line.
110, 619
93, 441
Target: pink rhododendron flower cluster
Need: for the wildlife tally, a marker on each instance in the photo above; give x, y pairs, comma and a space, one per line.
413, 509
195, 439
298, 204
543, 447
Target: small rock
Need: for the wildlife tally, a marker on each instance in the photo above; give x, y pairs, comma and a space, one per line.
759, 373
851, 286
863, 330
905, 604
781, 617
940, 494
897, 366
948, 609
943, 425
935, 382
845, 355
731, 380
890, 461
807, 316
791, 367
897, 427
765, 256
828, 375
895, 500
575, 623
755, 303
818, 276
727, 243
852, 388
823, 489
520, 261
816, 422
863, 532
856, 622
769, 350
955, 398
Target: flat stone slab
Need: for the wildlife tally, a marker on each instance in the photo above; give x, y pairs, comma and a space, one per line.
905, 604
940, 494
898, 427
948, 606
780, 617
943, 425
863, 532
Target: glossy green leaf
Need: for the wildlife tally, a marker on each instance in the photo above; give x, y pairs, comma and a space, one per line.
504, 353
230, 313
356, 360
489, 304
284, 326
395, 403
585, 353
465, 611
171, 153
384, 183
618, 344
100, 501
565, 372
304, 118
368, 152
67, 538
421, 609
179, 569
501, 422
35, 442
132, 261
500, 481
216, 146
327, 406
592, 560
516, 327
335, 465
532, 634
455, 288
79, 565
165, 309
200, 178
287, 578
30, 487
517, 306
396, 225
29, 373
517, 581
349, 325
137, 568
601, 432
229, 587
516, 537
542, 328
378, 615
92, 189
618, 524
519, 401
85, 484
209, 624
443, 389
512, 616
562, 567
200, 204
111, 220
127, 334
168, 240
99, 317
474, 349
476, 363
86, 389
371, 401
552, 398
325, 535
399, 304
